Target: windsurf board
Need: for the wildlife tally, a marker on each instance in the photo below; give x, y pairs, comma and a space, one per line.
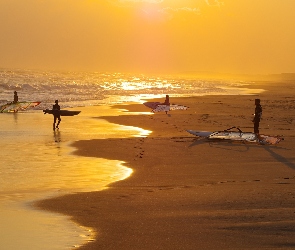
200, 133
15, 107
159, 107
238, 136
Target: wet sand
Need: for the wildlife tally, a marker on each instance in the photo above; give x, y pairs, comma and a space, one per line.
186, 193
36, 162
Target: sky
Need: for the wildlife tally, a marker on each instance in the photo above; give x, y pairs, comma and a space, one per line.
143, 36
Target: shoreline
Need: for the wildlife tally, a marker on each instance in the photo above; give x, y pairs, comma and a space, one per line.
190, 194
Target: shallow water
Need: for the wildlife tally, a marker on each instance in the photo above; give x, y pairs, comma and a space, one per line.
37, 163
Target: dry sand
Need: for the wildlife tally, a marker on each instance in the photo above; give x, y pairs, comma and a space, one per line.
186, 193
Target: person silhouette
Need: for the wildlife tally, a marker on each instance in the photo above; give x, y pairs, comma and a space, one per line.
56, 115
15, 97
167, 102
257, 116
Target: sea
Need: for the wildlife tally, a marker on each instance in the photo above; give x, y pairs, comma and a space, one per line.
75, 89
37, 163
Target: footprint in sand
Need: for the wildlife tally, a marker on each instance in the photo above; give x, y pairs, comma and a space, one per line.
205, 116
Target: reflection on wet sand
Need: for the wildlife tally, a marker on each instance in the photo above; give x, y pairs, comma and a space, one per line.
37, 164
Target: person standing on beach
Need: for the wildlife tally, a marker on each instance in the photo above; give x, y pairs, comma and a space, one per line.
15, 97
257, 116
167, 102
56, 114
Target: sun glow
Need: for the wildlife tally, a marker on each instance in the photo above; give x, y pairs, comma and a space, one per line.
143, 36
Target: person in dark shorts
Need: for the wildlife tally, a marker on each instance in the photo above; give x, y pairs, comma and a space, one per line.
257, 116
56, 115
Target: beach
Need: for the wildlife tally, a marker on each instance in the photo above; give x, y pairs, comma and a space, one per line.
187, 193
115, 174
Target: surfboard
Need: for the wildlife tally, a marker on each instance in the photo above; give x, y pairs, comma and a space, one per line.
238, 136
18, 106
61, 112
159, 107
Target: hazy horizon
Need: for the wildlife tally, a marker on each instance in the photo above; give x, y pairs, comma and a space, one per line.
149, 36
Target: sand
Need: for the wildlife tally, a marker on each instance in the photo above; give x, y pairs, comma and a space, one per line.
186, 193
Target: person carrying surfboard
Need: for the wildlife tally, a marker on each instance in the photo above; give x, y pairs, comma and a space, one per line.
56, 115
257, 116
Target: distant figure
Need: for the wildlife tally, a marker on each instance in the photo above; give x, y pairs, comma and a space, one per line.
167, 102
56, 115
257, 116
15, 97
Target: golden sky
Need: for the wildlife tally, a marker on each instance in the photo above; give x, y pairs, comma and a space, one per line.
163, 36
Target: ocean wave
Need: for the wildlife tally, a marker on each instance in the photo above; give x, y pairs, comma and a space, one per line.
77, 88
